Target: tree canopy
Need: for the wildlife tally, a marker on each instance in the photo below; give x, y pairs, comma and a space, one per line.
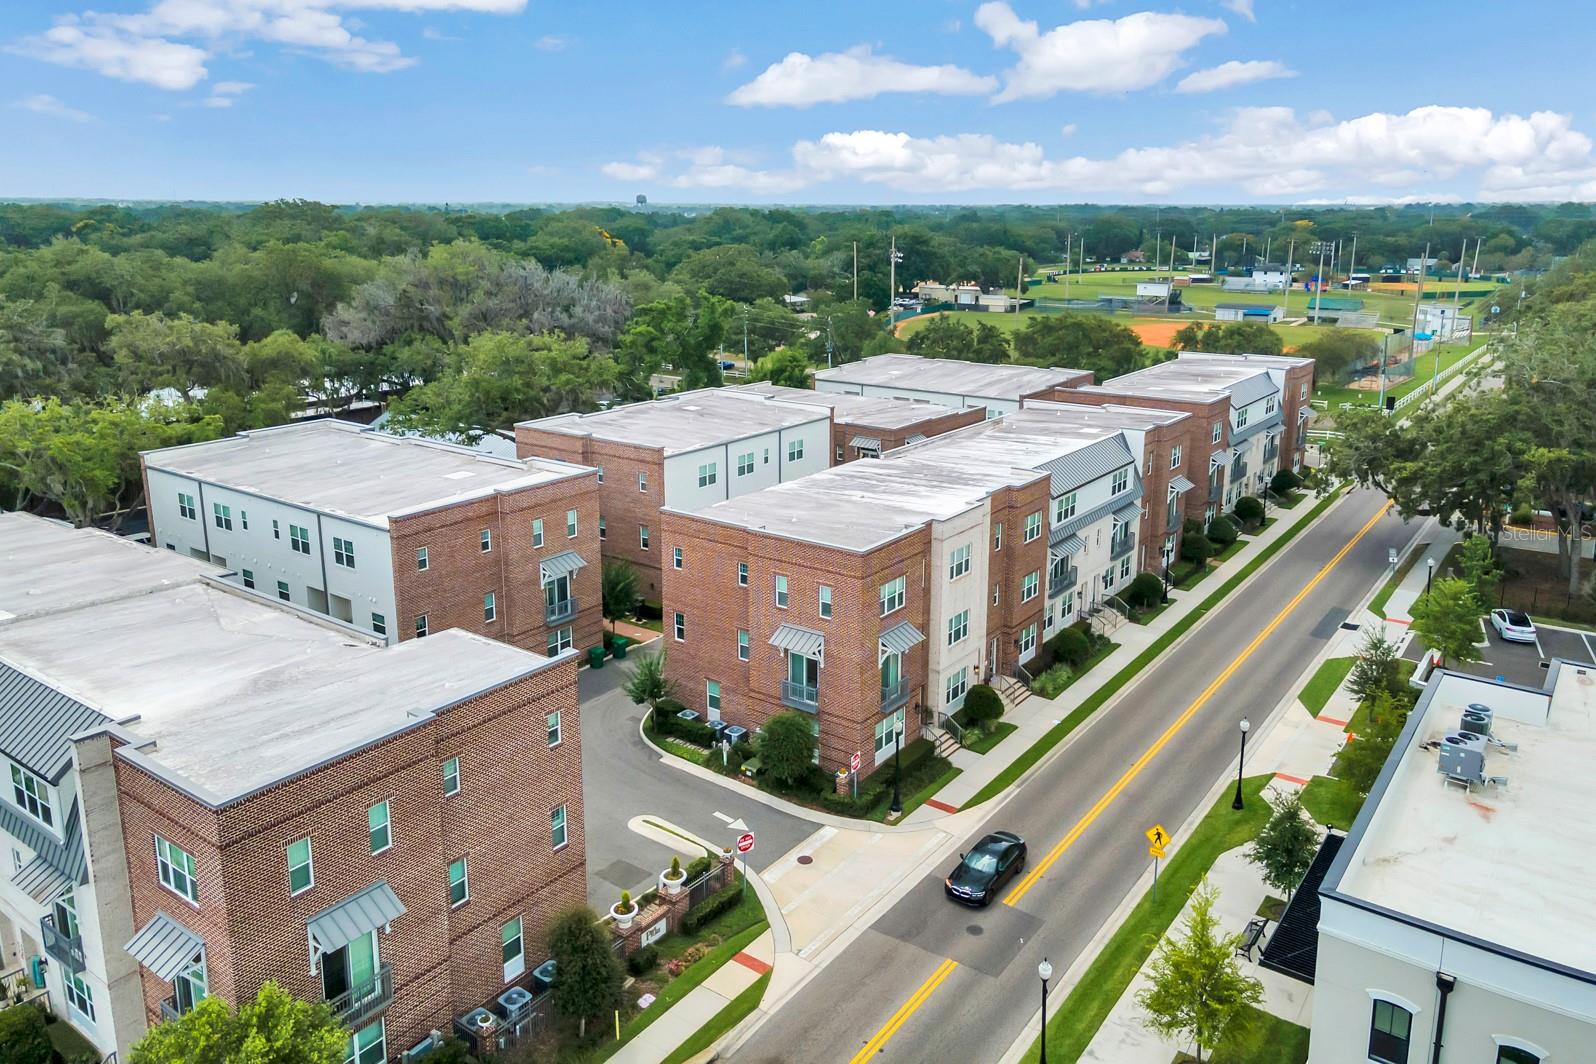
274, 1028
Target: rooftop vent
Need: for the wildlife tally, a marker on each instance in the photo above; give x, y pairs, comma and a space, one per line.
460, 474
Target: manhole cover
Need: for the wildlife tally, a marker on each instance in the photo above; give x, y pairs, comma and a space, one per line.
804, 858
974, 929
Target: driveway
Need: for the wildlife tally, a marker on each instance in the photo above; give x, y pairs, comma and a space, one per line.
623, 778
1520, 663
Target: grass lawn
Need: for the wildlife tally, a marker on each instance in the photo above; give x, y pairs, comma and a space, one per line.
1324, 682
723, 1021
1271, 908
1147, 614
1080, 1015
1333, 395
995, 734
1289, 500
1359, 724
1192, 577
911, 802
1331, 802
1378, 603
1264, 1038
1229, 552
1093, 702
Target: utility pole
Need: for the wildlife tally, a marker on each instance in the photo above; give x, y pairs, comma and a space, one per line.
1474, 269
830, 346
1069, 248
1285, 300
1384, 341
1019, 284
893, 294
1244, 239
856, 270
1352, 261
1457, 295
1418, 294
745, 337
1268, 243
1318, 285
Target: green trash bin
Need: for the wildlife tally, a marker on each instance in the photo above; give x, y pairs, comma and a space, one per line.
618, 646
595, 657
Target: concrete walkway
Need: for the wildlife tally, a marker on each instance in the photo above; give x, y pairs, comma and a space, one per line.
702, 1004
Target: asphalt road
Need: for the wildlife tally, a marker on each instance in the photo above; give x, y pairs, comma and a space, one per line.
980, 1006
622, 778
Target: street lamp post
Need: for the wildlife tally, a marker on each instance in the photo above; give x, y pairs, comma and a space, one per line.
1236, 803
897, 768
1045, 972
1167, 581
1429, 575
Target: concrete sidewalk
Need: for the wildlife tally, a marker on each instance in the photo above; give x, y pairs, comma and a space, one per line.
702, 1004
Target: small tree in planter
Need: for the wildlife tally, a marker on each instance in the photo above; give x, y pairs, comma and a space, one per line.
673, 877
1285, 847
618, 590
1250, 511
787, 747
649, 683
1196, 990
1221, 531
624, 910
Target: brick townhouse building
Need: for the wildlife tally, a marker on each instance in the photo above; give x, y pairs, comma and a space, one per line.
947, 382
867, 427
683, 451
399, 536
266, 793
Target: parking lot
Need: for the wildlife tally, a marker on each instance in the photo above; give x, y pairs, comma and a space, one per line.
1522, 663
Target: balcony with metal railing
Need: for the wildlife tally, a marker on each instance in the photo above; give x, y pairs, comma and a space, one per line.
804, 696
1120, 546
169, 1010
1060, 582
894, 695
65, 948
359, 1003
1216, 489
559, 610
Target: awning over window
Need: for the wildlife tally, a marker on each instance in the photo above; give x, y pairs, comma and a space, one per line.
805, 642
1180, 484
1125, 515
868, 443
1064, 548
166, 947
1304, 414
42, 881
916, 438
1217, 459
563, 564
900, 638
338, 925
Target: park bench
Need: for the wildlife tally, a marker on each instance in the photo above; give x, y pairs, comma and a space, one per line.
1251, 937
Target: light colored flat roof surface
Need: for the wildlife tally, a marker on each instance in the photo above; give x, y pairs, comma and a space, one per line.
874, 411
1110, 415
1510, 864
1195, 379
342, 468
235, 690
1267, 361
686, 422
945, 375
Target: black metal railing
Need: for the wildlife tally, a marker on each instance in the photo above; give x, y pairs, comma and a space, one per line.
360, 1003
1060, 582
68, 949
804, 696
894, 695
1120, 546
560, 610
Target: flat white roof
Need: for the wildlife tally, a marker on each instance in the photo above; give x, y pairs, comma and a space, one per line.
234, 691
947, 376
689, 421
1511, 864
345, 469
1195, 379
846, 409
1110, 415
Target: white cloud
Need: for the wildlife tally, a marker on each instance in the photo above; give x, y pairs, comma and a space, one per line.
44, 104
734, 59
551, 43
1068, 129
127, 57
1093, 55
1240, 7
223, 93
646, 168
802, 80
1263, 152
1228, 75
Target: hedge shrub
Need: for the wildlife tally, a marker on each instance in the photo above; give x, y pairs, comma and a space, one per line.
1146, 590
1222, 531
1070, 647
1051, 683
666, 722
643, 960
1250, 510
1196, 548
982, 703
698, 867
1284, 481
23, 1035
722, 901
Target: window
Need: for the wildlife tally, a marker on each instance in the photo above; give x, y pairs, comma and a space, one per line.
1241, 417
742, 644
551, 724
600, 474
825, 602
369, 1045
642, 536
1214, 435
282, 591
1033, 526
176, 870
378, 827
451, 776
490, 608
997, 593
185, 507
676, 557
997, 536
795, 450
379, 624
767, 456
1120, 483
706, 474
1302, 394
249, 578
243, 519
223, 515
511, 949
679, 626
1028, 639
839, 454
1029, 584
421, 625
1063, 508
537, 532
893, 593
712, 695
742, 574
557, 827
886, 728
958, 683
343, 552
570, 524
80, 997
32, 795
485, 540
781, 592
1506, 1054
421, 559
642, 482
301, 876
601, 530
277, 530
459, 883
299, 539
1124, 568
1389, 1028
1174, 457
958, 627
559, 640
745, 464
959, 562
1269, 405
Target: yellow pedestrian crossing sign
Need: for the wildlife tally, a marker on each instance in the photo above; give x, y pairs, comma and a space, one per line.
1158, 837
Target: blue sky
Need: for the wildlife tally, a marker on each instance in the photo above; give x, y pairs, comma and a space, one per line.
1006, 101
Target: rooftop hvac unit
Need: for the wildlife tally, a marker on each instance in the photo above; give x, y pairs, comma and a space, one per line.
514, 1001
1462, 757
1477, 719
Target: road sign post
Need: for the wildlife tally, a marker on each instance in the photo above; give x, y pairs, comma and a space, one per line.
1157, 839
745, 842
853, 772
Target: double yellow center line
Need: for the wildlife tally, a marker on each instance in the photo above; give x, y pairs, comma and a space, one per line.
943, 970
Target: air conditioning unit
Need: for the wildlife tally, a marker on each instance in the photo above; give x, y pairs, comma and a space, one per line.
1462, 757
1477, 719
422, 1048
514, 1001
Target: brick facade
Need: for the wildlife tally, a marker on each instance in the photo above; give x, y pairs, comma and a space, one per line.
445, 960
1008, 567
1293, 441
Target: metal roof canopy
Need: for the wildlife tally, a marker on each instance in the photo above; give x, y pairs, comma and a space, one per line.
361, 913
166, 947
1066, 547
867, 442
805, 642
66, 858
1086, 464
1293, 949
1095, 514
901, 637
35, 720
1126, 514
563, 564
1180, 484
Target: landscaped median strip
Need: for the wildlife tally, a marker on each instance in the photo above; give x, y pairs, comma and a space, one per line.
1096, 700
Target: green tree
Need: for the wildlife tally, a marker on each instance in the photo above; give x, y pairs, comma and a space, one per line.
982, 703
35, 356
1111, 235
1477, 559
1080, 341
1375, 669
787, 747
1286, 846
587, 972
1339, 350
1229, 338
1364, 755
618, 587
991, 345
649, 682
943, 336
787, 367
731, 271
1196, 991
274, 1028
672, 332
153, 351
1448, 620
25, 1036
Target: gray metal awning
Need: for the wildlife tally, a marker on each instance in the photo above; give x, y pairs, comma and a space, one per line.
35, 721
805, 642
1126, 514
869, 443
166, 947
42, 881
1090, 517
1064, 548
338, 925
1217, 459
1180, 484
916, 438
901, 637
562, 564
1304, 414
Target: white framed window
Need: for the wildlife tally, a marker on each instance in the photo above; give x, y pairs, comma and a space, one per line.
745, 464
570, 524
825, 601
600, 474
551, 725
1302, 393
422, 561
1214, 435
839, 455
893, 594
679, 626
1390, 1032
301, 871
223, 516
958, 627
299, 539
379, 828
1028, 638
379, 624
1064, 508
485, 540
32, 795
1120, 483
459, 883
185, 507
537, 532
642, 482
997, 536
559, 640
1241, 418
80, 997
451, 776
1029, 585
781, 592
277, 530
795, 450
1033, 526
1124, 569
742, 574
369, 1045
997, 593
1269, 404
959, 562
707, 474
557, 827
676, 557
767, 456
175, 868
958, 683
490, 608
742, 644
512, 949
712, 695
602, 535
885, 729
642, 537
249, 578
1174, 457
343, 552
421, 626
282, 591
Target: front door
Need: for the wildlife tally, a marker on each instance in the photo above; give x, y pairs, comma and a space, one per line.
557, 592
351, 968
803, 672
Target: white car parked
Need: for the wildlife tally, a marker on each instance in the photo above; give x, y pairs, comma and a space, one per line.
1514, 626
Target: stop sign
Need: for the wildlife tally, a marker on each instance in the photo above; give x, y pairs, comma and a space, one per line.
745, 842
853, 762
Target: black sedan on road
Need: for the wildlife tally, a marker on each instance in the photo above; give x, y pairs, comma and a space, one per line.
992, 862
